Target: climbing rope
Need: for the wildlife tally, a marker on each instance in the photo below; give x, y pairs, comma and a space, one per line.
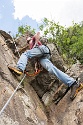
25, 73
12, 95
16, 87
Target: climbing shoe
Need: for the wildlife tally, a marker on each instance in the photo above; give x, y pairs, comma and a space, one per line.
75, 88
15, 70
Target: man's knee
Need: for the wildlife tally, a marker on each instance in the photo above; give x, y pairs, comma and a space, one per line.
50, 70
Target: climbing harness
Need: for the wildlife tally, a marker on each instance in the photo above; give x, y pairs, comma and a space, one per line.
44, 54
33, 74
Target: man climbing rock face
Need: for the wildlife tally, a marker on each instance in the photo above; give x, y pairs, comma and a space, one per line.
42, 53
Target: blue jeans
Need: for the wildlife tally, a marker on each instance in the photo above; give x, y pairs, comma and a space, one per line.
45, 62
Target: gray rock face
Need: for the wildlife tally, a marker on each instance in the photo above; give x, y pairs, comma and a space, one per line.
25, 108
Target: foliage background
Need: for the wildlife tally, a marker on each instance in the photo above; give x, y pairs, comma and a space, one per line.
68, 40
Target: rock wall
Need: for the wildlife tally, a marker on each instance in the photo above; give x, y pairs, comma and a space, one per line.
29, 106
24, 108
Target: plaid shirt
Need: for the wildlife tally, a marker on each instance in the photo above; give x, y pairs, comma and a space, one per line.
32, 43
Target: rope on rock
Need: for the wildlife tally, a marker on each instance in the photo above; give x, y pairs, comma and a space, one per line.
12, 95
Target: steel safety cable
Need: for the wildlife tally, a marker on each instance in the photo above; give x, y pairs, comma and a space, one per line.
12, 95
